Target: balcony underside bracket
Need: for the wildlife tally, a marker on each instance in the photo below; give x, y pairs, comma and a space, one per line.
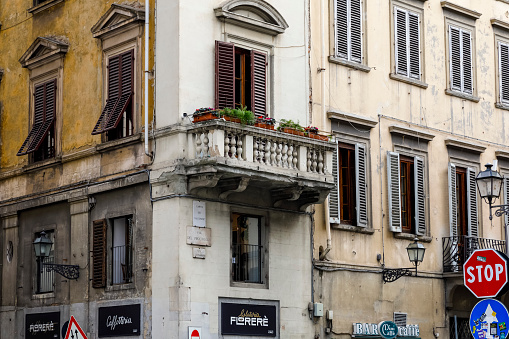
233, 185
203, 181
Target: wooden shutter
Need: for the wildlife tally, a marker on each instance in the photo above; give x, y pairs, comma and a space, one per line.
414, 45
44, 116
472, 203
99, 254
341, 22
361, 203
225, 75
393, 189
400, 36
453, 208
455, 58
503, 68
259, 83
420, 197
334, 211
466, 50
356, 30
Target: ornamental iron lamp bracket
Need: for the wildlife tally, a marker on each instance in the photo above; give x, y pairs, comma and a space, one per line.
42, 248
71, 272
393, 274
415, 255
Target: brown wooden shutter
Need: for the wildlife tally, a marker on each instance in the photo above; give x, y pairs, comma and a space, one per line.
225, 75
99, 254
120, 91
259, 83
45, 96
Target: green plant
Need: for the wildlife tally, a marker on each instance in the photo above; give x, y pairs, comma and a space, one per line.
245, 116
283, 123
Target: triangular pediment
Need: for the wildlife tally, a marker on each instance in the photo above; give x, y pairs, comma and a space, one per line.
257, 15
43, 50
117, 18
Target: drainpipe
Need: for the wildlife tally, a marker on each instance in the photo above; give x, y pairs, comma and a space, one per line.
147, 14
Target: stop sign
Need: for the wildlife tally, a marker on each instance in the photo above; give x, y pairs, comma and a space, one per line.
485, 273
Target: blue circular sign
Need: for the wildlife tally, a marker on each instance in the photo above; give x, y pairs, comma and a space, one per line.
489, 320
388, 329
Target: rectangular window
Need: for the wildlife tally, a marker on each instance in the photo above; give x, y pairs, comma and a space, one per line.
241, 78
121, 251
348, 201
116, 118
503, 71
407, 43
348, 30
460, 60
462, 202
406, 193
40, 141
247, 249
46, 280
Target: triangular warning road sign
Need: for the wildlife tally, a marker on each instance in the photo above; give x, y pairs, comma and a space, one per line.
74, 330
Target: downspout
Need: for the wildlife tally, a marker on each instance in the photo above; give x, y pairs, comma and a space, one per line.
324, 123
147, 14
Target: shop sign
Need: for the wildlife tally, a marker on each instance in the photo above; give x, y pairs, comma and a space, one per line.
385, 329
248, 319
489, 320
118, 321
42, 325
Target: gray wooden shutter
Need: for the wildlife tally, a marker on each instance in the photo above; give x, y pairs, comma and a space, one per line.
334, 212
455, 58
506, 198
393, 178
420, 198
225, 75
472, 203
361, 203
259, 83
503, 68
466, 49
356, 30
414, 45
400, 37
341, 22
99, 254
453, 211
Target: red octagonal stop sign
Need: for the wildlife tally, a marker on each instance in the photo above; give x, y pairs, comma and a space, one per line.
485, 273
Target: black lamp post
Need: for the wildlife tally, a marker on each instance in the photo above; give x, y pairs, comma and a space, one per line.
42, 248
415, 254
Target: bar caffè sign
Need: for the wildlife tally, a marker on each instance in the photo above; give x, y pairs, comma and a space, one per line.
385, 329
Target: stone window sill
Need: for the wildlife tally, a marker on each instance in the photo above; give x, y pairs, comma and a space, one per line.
45, 5
351, 64
48, 295
120, 287
408, 236
501, 105
42, 164
114, 144
355, 229
462, 95
408, 80
249, 285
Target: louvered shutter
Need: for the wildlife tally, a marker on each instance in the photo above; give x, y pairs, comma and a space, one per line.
455, 58
506, 198
259, 83
472, 203
420, 198
334, 212
503, 60
99, 254
356, 30
400, 36
453, 209
341, 28
44, 116
466, 50
393, 178
414, 45
225, 75
361, 203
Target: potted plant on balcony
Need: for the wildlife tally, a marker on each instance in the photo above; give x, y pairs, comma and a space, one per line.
239, 115
290, 127
204, 114
312, 132
265, 122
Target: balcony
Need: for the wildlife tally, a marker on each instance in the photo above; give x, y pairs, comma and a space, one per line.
457, 250
237, 163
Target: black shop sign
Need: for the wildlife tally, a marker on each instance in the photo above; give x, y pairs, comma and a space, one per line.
118, 321
248, 319
42, 325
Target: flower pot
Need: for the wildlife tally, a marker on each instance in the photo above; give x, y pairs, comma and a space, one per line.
317, 136
264, 125
292, 131
232, 119
205, 116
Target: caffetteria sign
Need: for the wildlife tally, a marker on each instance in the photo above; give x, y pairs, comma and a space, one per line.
385, 329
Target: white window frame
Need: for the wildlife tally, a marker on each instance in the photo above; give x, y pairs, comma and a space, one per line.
349, 57
408, 34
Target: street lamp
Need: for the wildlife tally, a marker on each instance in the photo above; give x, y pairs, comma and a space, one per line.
415, 254
42, 248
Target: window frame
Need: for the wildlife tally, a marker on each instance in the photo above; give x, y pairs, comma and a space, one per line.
501, 38
335, 28
39, 268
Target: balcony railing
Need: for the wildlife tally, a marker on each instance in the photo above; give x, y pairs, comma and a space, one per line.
456, 250
247, 263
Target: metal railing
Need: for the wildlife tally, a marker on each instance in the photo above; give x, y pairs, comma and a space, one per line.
247, 263
45, 278
122, 265
456, 250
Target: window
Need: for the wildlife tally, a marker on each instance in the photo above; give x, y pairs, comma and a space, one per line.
348, 201
241, 78
46, 280
503, 72
406, 193
462, 202
348, 30
116, 118
460, 60
247, 234
407, 42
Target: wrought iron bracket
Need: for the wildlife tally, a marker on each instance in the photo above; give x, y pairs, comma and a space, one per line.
393, 274
501, 210
68, 271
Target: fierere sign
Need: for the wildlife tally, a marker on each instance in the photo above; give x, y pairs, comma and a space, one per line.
485, 273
